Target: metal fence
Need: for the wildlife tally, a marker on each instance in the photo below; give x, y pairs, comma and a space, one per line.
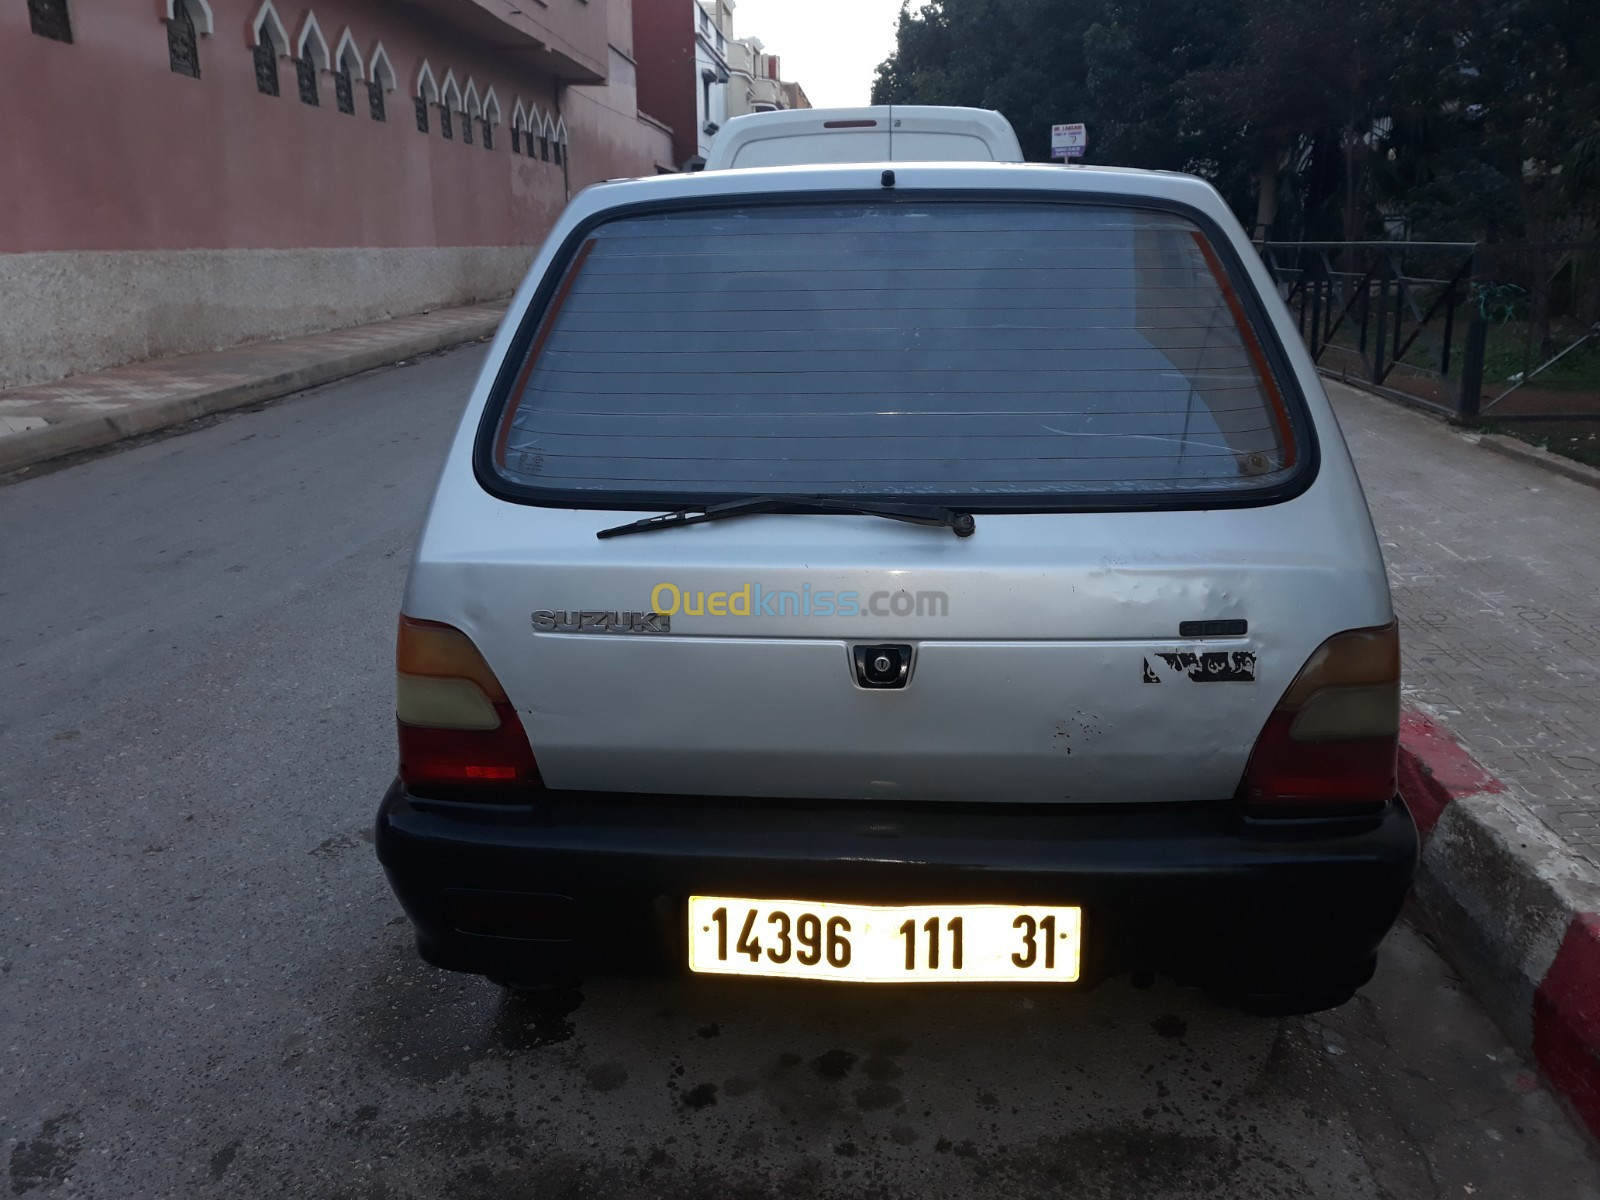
1482, 333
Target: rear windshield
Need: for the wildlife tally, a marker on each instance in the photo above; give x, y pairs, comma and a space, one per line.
1012, 354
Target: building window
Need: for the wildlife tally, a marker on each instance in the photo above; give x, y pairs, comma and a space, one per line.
380, 81
491, 117
343, 89
313, 57
422, 113
183, 43
446, 123
266, 65
559, 149
471, 111
544, 145
270, 43
49, 19
521, 131
306, 71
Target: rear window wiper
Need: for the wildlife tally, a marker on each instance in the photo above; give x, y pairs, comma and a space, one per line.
960, 523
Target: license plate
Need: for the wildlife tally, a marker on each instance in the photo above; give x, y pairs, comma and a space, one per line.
862, 943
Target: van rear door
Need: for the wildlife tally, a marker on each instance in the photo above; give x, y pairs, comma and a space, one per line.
882, 133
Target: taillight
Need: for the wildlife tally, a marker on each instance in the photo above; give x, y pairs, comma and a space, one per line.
1332, 740
457, 728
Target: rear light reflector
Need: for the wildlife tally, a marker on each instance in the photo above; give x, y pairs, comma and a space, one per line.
1345, 713
457, 728
443, 703
1332, 740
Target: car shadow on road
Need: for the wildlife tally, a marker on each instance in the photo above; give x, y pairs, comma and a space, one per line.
697, 1087
663, 1085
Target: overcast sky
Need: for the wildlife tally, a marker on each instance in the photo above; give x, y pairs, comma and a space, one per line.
829, 47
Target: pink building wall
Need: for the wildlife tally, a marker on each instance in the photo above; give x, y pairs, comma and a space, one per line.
668, 84
104, 150
610, 135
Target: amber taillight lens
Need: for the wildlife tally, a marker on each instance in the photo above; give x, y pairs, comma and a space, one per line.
1332, 740
458, 731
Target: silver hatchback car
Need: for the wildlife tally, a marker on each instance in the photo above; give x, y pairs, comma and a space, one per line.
901, 573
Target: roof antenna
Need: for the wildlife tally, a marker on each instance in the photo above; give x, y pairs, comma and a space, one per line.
888, 179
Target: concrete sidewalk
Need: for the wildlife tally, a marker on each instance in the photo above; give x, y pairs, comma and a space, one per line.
1495, 567
47, 421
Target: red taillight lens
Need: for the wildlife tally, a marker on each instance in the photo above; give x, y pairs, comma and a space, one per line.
457, 728
1332, 740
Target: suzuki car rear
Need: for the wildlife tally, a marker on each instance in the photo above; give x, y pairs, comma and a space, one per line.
900, 573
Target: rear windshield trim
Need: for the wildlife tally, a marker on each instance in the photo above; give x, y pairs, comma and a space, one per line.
560, 271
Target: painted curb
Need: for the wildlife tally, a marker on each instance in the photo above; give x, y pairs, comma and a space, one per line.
1566, 1019
1511, 908
1435, 768
1511, 447
36, 446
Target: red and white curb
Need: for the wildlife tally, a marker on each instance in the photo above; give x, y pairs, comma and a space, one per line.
1514, 910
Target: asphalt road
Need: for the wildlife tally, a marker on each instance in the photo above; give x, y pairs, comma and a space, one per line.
206, 988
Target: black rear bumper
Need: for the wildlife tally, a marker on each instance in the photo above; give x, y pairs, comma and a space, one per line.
599, 883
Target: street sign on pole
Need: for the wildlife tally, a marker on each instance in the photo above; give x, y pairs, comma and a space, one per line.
1068, 141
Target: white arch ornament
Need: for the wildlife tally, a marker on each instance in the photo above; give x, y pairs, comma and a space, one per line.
267, 18
426, 87
347, 45
379, 69
450, 92
200, 10
312, 45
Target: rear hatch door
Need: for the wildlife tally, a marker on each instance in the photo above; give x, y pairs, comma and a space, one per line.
1092, 381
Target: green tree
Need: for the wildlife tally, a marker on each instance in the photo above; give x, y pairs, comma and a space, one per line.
1473, 119
1142, 57
1024, 58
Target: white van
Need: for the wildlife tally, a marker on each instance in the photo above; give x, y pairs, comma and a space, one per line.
883, 133
901, 573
